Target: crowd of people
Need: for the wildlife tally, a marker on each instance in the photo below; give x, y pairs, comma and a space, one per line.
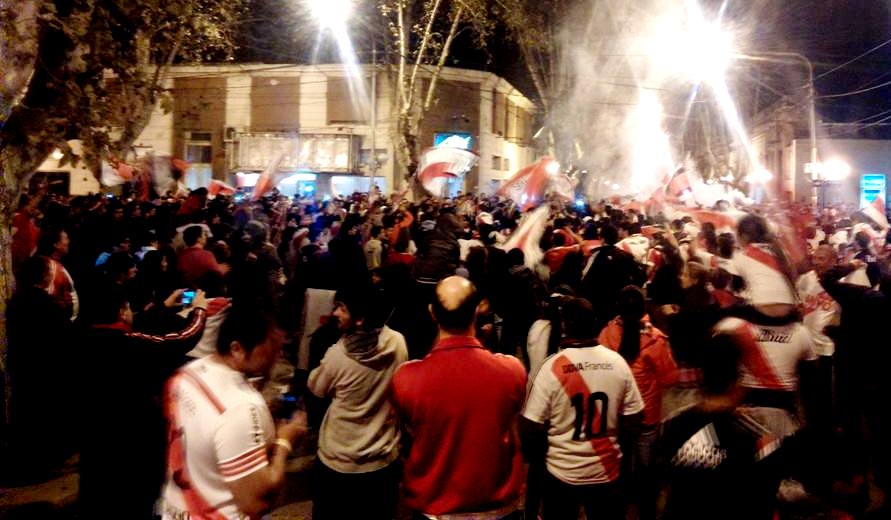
471, 366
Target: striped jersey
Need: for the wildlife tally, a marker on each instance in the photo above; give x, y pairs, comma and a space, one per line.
819, 310
582, 392
220, 430
769, 355
765, 282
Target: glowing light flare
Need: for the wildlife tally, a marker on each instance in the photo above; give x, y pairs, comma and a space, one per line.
690, 47
330, 14
760, 176
714, 51
553, 168
709, 47
652, 156
835, 170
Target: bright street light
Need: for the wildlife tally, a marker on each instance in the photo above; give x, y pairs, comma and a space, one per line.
705, 51
759, 176
331, 14
696, 49
835, 170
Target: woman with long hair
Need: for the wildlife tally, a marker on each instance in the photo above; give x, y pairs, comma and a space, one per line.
646, 350
765, 269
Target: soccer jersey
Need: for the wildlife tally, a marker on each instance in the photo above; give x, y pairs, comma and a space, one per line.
769, 354
820, 311
654, 369
582, 392
637, 245
765, 282
220, 430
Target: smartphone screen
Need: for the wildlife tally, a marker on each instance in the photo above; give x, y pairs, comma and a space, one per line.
188, 296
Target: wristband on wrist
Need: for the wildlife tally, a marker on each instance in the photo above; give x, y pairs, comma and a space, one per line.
283, 443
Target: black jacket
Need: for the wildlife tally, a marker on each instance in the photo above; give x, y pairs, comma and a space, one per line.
122, 428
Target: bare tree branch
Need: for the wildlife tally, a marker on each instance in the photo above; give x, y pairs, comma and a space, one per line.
443, 56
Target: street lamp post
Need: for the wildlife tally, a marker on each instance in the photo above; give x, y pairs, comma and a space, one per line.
373, 119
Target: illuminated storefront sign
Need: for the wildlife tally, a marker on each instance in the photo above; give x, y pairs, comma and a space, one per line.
872, 185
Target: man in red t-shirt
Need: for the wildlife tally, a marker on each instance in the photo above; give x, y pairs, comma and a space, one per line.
25, 231
194, 261
460, 405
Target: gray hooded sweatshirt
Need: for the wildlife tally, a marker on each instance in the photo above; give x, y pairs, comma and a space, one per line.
360, 431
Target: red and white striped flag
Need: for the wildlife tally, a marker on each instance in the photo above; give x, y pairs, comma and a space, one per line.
724, 221
115, 172
876, 212
527, 237
679, 183
564, 186
437, 165
527, 186
218, 187
270, 177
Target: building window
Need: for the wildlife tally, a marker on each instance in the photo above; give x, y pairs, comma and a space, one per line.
275, 103
341, 105
496, 162
199, 153
499, 113
505, 164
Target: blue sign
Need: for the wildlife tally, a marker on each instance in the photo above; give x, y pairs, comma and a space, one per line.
461, 140
872, 185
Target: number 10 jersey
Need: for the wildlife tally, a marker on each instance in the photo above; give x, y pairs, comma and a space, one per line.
580, 393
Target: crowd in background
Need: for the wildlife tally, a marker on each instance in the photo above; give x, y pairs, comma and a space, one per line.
756, 375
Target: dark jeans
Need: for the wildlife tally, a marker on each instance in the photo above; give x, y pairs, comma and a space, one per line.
371, 495
561, 501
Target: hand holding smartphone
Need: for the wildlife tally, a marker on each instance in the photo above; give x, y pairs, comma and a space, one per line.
188, 296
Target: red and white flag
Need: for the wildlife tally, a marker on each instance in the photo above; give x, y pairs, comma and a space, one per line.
724, 221
678, 184
876, 212
437, 165
270, 177
527, 186
218, 187
527, 237
115, 172
656, 202
564, 186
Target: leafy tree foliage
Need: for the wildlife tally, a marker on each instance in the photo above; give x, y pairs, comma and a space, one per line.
90, 70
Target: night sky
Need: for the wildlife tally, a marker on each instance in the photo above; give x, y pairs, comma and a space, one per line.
829, 32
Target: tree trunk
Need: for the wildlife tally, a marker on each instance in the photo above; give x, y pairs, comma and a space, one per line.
6, 288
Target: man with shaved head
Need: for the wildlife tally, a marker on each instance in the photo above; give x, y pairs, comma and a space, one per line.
460, 406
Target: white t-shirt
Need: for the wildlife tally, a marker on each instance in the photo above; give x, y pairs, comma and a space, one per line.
765, 282
221, 430
537, 347
582, 392
769, 354
820, 311
637, 245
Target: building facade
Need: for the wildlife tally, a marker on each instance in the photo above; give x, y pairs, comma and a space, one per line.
780, 139
230, 121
